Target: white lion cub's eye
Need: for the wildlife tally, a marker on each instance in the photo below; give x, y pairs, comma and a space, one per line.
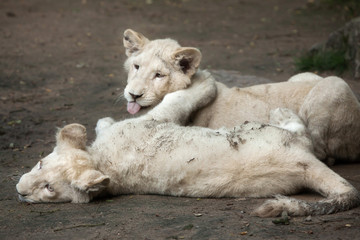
49, 188
136, 66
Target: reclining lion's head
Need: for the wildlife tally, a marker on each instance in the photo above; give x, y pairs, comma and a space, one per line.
156, 68
66, 174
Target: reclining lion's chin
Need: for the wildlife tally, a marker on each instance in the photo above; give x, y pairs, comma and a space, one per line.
152, 155
327, 106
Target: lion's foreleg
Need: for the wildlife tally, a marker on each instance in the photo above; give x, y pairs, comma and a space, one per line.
177, 106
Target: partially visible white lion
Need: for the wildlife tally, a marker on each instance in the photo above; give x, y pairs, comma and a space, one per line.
152, 155
327, 106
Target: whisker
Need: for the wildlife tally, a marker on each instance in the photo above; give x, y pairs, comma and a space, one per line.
119, 98
16, 177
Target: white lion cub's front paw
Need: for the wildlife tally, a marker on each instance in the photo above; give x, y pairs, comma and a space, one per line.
288, 120
103, 123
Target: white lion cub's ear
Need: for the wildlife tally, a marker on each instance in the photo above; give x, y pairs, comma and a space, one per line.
133, 41
91, 181
72, 135
188, 59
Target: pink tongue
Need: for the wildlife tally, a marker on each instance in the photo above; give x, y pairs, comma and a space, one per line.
133, 107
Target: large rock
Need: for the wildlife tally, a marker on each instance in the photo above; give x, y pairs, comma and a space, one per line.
236, 79
346, 38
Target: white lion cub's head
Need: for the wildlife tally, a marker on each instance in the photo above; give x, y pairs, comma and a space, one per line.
156, 68
66, 174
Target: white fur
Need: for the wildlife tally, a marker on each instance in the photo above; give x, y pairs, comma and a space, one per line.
286, 119
148, 156
307, 76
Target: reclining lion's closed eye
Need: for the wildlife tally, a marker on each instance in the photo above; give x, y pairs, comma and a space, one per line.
327, 106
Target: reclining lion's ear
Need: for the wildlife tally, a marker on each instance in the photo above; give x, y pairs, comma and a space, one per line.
91, 181
188, 59
133, 41
73, 135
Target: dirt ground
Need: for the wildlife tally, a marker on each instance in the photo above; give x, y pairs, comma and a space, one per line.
61, 62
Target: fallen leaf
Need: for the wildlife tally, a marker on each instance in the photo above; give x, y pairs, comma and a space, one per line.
188, 227
80, 65
240, 199
284, 220
27, 145
10, 14
14, 122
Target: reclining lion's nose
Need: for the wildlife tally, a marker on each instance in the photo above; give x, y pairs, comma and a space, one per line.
134, 96
22, 194
22, 198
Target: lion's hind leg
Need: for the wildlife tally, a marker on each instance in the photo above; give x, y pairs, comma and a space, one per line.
331, 113
288, 120
103, 123
339, 194
305, 77
274, 207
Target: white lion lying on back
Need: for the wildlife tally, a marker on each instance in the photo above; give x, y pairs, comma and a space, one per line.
327, 106
152, 155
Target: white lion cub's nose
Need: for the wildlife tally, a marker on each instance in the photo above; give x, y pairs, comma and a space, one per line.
135, 96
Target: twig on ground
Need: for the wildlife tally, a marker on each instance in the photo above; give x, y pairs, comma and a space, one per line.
79, 226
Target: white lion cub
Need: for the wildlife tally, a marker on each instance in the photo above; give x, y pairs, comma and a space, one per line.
327, 106
153, 155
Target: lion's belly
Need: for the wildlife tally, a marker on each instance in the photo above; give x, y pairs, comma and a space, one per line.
200, 162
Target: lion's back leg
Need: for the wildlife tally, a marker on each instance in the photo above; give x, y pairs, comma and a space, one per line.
339, 194
305, 77
103, 123
331, 112
287, 119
